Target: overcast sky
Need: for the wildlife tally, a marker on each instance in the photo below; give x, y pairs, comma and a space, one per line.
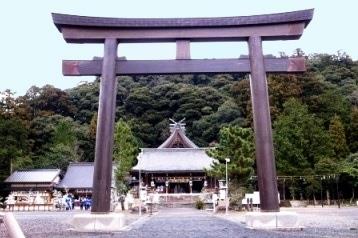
32, 49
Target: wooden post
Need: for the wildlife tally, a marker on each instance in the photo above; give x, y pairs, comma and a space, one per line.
105, 127
183, 49
266, 169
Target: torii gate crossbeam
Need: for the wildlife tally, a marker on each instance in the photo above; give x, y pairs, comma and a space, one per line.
252, 29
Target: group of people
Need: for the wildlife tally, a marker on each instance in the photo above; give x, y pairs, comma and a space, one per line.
85, 203
68, 202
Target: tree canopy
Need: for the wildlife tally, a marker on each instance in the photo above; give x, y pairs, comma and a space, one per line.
314, 116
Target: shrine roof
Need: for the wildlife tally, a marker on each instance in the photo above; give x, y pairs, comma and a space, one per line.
78, 175
173, 160
34, 176
62, 20
178, 137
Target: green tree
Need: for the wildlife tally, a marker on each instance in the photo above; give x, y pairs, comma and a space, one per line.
281, 88
7, 104
349, 168
85, 100
329, 104
338, 138
300, 140
13, 144
353, 130
125, 152
237, 144
63, 146
48, 100
240, 91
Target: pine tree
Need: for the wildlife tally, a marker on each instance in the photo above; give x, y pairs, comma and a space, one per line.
235, 143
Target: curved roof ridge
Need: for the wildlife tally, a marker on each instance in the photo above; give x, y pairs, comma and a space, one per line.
61, 20
178, 134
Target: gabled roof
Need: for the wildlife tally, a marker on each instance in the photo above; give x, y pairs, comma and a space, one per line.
79, 175
173, 160
177, 139
34, 176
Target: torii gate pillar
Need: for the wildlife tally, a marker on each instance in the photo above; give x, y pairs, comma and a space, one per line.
105, 127
265, 161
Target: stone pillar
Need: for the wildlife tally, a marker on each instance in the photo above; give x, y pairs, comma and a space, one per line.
266, 169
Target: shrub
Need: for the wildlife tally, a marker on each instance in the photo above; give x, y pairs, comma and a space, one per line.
199, 204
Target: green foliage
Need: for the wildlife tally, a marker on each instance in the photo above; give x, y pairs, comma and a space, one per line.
63, 147
338, 137
300, 139
58, 156
308, 139
199, 204
329, 104
353, 130
13, 144
350, 166
235, 143
85, 99
125, 152
48, 100
281, 89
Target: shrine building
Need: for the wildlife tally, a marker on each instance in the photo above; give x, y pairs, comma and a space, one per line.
78, 179
176, 166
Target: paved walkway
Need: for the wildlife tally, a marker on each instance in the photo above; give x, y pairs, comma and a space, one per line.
191, 223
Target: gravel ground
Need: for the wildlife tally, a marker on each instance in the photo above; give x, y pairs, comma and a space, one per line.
316, 222
3, 232
184, 222
56, 224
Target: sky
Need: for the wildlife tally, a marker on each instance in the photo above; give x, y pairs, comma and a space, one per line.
32, 49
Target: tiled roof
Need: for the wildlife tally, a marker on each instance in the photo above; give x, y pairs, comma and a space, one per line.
33, 176
173, 160
178, 137
79, 175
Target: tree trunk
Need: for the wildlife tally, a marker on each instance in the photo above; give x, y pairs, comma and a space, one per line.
293, 194
352, 198
328, 197
314, 200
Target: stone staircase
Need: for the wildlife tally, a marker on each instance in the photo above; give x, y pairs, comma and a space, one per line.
182, 200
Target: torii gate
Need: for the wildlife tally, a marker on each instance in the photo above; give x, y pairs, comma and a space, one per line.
253, 29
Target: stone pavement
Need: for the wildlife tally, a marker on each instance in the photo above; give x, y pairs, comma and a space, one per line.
191, 223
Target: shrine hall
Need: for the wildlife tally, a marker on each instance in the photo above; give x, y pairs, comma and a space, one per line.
178, 165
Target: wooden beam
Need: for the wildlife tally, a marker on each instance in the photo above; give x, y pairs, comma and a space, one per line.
133, 67
183, 49
265, 160
239, 33
62, 20
102, 175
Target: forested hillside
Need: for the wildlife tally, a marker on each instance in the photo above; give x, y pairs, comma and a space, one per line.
315, 116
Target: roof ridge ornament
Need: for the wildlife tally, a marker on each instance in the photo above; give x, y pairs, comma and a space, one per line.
177, 125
